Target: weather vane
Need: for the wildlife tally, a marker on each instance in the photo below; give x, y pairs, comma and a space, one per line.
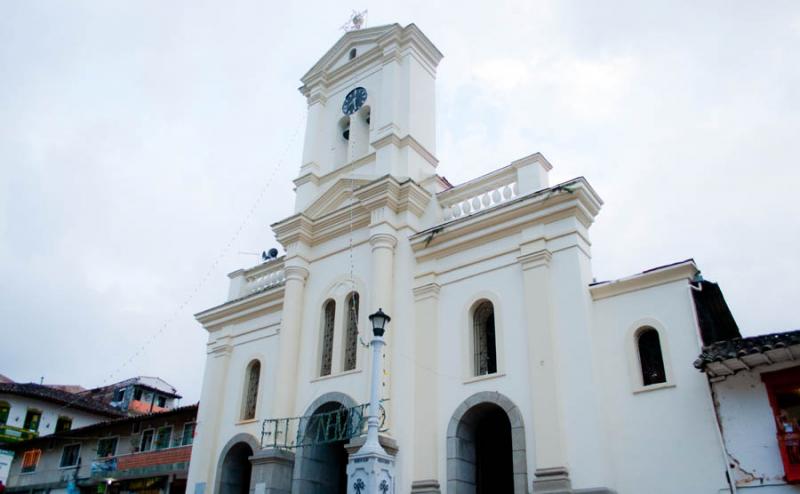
357, 21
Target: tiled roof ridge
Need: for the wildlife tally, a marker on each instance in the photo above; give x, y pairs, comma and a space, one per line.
72, 400
739, 347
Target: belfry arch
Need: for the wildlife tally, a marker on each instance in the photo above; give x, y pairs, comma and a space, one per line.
486, 446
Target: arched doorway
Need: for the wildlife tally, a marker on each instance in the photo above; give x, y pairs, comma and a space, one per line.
235, 470
321, 467
489, 447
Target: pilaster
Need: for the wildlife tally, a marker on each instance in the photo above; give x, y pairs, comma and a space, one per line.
296, 274
426, 437
551, 473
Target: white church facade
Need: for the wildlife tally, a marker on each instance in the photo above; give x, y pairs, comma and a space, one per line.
506, 368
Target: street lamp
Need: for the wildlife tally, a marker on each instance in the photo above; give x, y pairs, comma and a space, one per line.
370, 470
379, 320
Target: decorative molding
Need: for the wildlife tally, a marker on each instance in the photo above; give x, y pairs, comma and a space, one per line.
391, 41
536, 259
406, 141
247, 307
685, 270
532, 158
426, 291
382, 241
572, 199
296, 273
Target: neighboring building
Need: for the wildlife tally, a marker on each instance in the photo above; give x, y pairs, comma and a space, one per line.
138, 395
29, 410
506, 368
756, 388
145, 454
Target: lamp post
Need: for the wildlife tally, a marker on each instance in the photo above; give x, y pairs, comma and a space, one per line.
371, 470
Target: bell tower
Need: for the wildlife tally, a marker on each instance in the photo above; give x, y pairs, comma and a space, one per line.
371, 110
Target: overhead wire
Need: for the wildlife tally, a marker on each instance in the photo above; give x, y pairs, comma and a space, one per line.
211, 270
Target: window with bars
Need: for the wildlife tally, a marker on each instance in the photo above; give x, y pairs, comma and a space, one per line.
351, 340
485, 358
651, 359
251, 390
329, 316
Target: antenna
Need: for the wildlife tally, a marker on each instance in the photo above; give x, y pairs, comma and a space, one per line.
357, 21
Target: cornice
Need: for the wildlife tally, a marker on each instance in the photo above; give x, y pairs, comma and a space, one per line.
535, 259
681, 271
247, 307
533, 158
387, 191
426, 291
307, 178
326, 225
572, 199
407, 141
392, 42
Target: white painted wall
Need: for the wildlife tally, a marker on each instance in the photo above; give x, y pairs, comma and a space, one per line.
748, 427
50, 413
663, 438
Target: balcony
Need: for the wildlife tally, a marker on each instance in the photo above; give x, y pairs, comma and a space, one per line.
148, 463
11, 434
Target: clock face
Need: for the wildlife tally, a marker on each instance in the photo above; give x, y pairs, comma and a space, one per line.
354, 100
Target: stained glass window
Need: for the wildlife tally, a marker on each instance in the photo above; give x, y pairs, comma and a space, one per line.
327, 338
351, 342
484, 335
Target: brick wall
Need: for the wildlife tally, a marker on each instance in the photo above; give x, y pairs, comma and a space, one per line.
151, 458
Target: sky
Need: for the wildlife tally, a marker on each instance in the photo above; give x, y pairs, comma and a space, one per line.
146, 147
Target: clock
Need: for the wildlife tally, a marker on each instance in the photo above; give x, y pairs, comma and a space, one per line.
354, 100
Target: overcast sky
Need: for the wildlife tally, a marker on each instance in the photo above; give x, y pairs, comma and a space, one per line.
136, 136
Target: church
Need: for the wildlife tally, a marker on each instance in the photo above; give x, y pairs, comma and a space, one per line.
506, 369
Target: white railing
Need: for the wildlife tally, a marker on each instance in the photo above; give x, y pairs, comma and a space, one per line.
264, 276
480, 194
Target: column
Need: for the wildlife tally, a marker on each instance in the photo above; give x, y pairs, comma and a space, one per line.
289, 340
381, 297
426, 439
551, 473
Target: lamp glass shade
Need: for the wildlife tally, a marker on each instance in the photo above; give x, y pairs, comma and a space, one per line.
379, 320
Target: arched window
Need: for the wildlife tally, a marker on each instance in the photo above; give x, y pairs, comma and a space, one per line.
251, 390
353, 53
326, 356
484, 339
351, 332
650, 357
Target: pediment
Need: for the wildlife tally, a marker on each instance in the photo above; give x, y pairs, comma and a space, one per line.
337, 196
339, 54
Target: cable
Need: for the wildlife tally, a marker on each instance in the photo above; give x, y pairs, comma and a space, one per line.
170, 319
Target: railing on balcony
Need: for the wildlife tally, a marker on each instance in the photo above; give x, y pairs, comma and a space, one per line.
155, 461
257, 278
480, 194
320, 428
11, 434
